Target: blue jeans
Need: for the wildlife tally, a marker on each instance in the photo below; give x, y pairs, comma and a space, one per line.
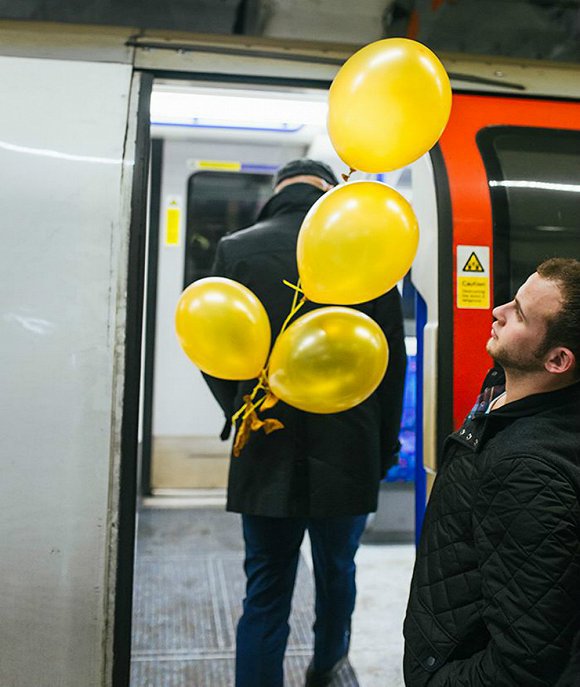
272, 553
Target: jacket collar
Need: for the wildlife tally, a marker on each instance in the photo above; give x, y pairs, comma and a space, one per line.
480, 425
293, 198
537, 403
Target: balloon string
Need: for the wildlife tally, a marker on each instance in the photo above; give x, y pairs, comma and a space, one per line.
249, 406
263, 378
254, 407
296, 305
248, 412
297, 290
296, 287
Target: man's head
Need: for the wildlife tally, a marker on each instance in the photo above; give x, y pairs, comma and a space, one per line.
305, 171
538, 332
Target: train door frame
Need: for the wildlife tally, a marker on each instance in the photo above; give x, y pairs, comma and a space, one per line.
157, 148
154, 228
134, 470
266, 62
433, 318
129, 463
149, 315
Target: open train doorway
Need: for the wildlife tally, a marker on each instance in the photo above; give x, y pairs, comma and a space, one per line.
215, 149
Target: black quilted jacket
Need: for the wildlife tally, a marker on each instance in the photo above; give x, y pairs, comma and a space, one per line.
495, 596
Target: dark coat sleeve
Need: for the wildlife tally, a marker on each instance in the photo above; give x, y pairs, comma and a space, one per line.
223, 390
526, 518
388, 313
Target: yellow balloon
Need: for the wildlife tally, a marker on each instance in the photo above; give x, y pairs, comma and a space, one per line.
223, 328
328, 360
356, 242
388, 105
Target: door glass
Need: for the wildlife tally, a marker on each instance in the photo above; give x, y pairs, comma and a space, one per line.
219, 203
534, 182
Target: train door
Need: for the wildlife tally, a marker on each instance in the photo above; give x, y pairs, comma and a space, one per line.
212, 171
506, 188
210, 177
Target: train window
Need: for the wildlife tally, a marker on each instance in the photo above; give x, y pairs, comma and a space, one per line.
534, 186
219, 203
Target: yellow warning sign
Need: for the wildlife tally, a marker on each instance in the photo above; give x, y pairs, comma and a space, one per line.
473, 264
172, 224
473, 277
472, 292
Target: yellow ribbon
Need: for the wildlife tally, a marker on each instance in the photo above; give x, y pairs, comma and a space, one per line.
248, 412
252, 423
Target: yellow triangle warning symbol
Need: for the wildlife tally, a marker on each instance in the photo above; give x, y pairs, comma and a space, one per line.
473, 264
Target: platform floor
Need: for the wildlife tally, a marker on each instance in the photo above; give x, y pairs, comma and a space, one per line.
188, 590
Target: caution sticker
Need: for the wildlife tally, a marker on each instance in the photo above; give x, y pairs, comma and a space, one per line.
473, 277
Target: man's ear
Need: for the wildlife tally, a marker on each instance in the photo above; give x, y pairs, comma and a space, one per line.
560, 360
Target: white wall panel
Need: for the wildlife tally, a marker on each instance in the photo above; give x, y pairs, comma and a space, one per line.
63, 230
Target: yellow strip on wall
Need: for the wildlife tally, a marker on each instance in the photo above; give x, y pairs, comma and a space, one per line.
219, 165
172, 215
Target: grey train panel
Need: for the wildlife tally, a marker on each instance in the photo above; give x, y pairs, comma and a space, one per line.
64, 179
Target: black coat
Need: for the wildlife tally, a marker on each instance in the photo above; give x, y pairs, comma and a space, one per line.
319, 465
495, 596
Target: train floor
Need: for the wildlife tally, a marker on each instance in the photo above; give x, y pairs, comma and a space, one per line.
188, 589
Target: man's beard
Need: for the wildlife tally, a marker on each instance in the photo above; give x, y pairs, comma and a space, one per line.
517, 362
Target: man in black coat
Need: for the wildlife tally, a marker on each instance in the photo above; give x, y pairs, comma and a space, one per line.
495, 596
320, 473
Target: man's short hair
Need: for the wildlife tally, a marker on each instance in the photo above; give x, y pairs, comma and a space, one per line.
305, 166
564, 327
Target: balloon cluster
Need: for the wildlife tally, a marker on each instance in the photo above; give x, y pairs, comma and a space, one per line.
388, 105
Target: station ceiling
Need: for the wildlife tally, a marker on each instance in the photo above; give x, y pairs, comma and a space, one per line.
532, 29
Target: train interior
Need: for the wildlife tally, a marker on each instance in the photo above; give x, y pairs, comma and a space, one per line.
214, 150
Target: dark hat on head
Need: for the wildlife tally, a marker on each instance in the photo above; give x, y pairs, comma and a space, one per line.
305, 166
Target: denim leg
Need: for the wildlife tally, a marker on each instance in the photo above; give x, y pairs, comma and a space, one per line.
272, 553
334, 544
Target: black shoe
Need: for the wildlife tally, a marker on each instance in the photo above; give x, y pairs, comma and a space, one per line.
316, 679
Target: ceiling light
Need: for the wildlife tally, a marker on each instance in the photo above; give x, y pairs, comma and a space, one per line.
275, 111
